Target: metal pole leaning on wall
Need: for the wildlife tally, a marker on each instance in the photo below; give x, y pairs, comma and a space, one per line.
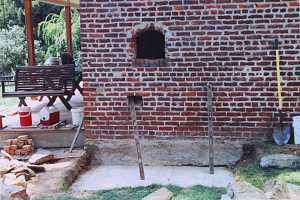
210, 129
136, 138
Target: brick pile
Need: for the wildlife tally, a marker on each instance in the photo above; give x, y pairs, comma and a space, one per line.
21, 146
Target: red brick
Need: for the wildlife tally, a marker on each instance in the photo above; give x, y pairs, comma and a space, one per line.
224, 42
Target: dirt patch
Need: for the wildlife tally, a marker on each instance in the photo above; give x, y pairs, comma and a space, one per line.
59, 175
165, 152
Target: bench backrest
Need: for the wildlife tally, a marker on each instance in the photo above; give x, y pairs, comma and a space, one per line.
42, 78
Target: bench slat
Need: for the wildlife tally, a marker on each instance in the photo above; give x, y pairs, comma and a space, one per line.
43, 80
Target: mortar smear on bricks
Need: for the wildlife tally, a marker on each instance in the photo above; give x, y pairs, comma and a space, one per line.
166, 52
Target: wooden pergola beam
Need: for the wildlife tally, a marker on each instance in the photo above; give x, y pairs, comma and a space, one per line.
73, 3
29, 31
68, 18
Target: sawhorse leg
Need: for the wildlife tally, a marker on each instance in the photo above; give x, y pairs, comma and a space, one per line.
65, 102
22, 101
51, 100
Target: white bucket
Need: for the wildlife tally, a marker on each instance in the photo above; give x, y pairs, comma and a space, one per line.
296, 125
77, 115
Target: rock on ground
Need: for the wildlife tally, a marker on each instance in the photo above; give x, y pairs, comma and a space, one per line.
161, 194
165, 152
41, 156
4, 166
280, 161
294, 191
273, 190
243, 191
276, 190
280, 190
9, 192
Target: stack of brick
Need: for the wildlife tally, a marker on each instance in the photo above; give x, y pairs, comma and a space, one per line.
21, 146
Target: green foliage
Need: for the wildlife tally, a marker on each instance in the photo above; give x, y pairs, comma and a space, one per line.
10, 14
53, 32
257, 176
192, 193
290, 177
64, 186
13, 49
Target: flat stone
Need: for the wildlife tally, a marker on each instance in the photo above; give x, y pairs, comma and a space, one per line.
9, 179
41, 156
294, 191
161, 194
245, 191
16, 164
226, 197
280, 190
4, 166
165, 152
9, 192
276, 190
24, 170
21, 181
280, 161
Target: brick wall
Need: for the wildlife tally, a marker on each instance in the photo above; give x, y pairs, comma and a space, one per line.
227, 43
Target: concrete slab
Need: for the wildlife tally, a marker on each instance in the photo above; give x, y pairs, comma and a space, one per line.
110, 177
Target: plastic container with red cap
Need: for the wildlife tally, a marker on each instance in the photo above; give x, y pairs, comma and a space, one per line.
49, 116
25, 116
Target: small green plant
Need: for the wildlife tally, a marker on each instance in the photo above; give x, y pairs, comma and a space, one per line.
53, 32
64, 186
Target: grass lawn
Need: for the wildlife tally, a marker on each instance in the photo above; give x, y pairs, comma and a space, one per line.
257, 176
192, 193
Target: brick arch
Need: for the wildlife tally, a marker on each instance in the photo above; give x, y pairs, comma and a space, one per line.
132, 37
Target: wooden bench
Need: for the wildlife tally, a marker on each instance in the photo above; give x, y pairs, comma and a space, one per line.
51, 81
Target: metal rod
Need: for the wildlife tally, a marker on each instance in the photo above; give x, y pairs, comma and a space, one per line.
76, 135
210, 129
137, 140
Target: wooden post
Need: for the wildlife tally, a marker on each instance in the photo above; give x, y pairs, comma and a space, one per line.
68, 18
29, 32
210, 129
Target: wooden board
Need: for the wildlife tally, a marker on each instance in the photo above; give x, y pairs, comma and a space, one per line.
45, 138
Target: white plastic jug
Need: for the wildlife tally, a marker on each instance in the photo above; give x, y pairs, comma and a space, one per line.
77, 115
